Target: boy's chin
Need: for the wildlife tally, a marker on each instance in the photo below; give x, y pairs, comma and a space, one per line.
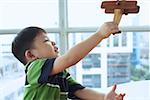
57, 55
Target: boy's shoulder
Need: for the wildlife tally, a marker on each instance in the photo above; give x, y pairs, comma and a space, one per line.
40, 63
37, 61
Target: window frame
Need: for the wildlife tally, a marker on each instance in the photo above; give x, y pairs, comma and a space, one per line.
64, 30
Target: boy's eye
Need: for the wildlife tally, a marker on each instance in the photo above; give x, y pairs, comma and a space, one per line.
46, 40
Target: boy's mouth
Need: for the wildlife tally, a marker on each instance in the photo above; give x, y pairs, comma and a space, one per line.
56, 50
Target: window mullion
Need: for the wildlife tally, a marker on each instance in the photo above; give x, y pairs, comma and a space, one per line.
63, 26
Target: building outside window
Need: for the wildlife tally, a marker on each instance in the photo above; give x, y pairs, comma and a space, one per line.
92, 81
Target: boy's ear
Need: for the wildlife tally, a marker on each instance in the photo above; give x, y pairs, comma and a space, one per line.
29, 55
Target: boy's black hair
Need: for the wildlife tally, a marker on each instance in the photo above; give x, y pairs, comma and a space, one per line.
24, 41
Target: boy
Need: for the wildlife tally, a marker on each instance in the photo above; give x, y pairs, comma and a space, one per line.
46, 77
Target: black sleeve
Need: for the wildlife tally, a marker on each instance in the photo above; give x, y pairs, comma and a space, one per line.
73, 89
73, 86
46, 70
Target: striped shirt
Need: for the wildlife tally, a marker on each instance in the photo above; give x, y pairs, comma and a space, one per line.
40, 85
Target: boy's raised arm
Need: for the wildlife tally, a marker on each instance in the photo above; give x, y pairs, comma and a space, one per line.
79, 51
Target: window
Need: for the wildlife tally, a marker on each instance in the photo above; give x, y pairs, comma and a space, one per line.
122, 58
24, 13
127, 61
81, 13
93, 81
11, 70
91, 61
87, 13
118, 68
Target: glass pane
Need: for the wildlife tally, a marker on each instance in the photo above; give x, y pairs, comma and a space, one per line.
87, 13
118, 68
11, 70
78, 37
91, 61
131, 66
16, 14
140, 57
125, 62
73, 71
116, 41
93, 81
124, 39
83, 13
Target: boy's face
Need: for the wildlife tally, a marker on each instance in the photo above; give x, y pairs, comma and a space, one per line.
43, 47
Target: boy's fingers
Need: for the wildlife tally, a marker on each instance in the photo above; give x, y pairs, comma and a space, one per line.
118, 97
122, 96
114, 88
117, 32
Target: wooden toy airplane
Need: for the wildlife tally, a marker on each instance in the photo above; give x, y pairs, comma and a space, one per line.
119, 8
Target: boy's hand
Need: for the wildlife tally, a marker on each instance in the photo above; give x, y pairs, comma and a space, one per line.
113, 96
107, 29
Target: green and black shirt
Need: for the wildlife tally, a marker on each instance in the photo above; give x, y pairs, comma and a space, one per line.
40, 85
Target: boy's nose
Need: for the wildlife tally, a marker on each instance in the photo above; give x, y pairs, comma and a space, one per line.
53, 43
56, 48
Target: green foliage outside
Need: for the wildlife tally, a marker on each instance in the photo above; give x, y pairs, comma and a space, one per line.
142, 73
